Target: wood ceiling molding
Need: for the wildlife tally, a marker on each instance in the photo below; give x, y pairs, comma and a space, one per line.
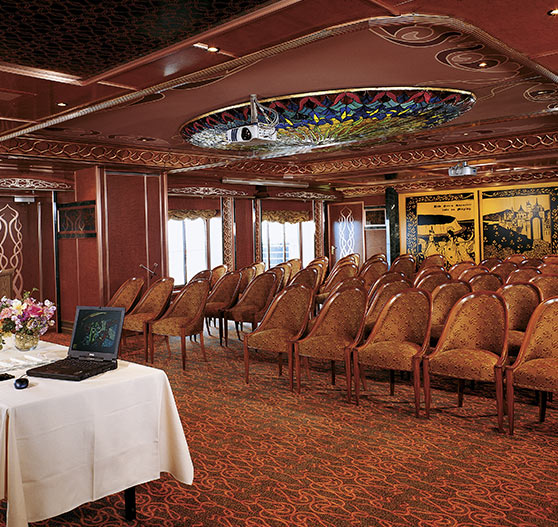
489, 180
16, 183
206, 192
305, 195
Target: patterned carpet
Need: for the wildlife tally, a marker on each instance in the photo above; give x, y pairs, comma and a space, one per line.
264, 457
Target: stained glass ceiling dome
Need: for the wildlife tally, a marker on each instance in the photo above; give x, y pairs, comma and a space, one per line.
330, 118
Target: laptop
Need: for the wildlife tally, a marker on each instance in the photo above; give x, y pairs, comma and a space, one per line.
94, 346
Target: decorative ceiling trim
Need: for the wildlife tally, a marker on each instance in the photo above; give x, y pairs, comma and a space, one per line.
206, 192
306, 195
15, 183
456, 182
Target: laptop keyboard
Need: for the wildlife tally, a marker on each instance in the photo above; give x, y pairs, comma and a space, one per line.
70, 364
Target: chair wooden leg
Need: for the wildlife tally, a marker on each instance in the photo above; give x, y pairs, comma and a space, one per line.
150, 341
391, 382
167, 342
207, 326
426, 381
183, 349
307, 367
236, 325
499, 398
348, 376
333, 372
460, 386
226, 329
542, 406
221, 329
510, 401
291, 369
362, 378
356, 374
416, 384
146, 339
297, 366
280, 363
202, 346
246, 363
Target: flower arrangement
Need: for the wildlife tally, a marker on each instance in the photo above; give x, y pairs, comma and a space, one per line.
25, 316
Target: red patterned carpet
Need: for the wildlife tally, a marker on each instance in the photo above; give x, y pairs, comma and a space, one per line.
264, 457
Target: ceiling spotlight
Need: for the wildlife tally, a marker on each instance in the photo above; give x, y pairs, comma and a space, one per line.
62, 104
482, 64
213, 49
553, 12
206, 47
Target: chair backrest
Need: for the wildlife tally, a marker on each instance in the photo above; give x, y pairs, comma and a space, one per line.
531, 262
156, 298
296, 266
406, 264
444, 297
202, 275
381, 297
372, 270
427, 270
352, 258
524, 274
248, 274
127, 294
227, 289
548, 268
344, 271
478, 320
279, 272
504, 269
491, 262
433, 280
322, 270
217, 273
341, 314
289, 310
521, 300
390, 276
260, 267
468, 273
437, 260
190, 302
539, 341
550, 258
456, 269
308, 277
486, 282
547, 284
261, 290
405, 318
515, 258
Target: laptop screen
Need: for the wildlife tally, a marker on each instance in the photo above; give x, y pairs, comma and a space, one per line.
97, 332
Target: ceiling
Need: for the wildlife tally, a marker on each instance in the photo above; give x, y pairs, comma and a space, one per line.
113, 83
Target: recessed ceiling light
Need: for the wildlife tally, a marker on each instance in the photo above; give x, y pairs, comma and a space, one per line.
553, 12
482, 64
62, 104
212, 49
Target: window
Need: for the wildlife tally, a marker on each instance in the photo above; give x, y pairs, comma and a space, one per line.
284, 241
194, 245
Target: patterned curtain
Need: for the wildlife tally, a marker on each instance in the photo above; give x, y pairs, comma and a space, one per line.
206, 214
286, 216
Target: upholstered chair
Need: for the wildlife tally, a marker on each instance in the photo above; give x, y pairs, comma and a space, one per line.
150, 307
321, 267
253, 303
473, 346
296, 266
377, 301
286, 266
279, 273
308, 277
352, 258
427, 270
430, 281
467, 274
248, 274
550, 258
486, 282
127, 294
458, 268
344, 271
398, 341
202, 275
406, 264
183, 318
283, 323
536, 366
515, 258
547, 284
223, 296
444, 297
523, 274
530, 262
260, 267
377, 256
504, 269
437, 260
548, 268
521, 300
390, 276
216, 274
333, 333
372, 270
491, 262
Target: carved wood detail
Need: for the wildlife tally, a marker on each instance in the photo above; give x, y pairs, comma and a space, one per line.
257, 230
318, 212
227, 212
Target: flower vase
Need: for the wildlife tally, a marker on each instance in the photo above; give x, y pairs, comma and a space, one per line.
26, 342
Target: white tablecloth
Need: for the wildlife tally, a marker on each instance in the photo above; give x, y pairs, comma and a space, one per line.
65, 443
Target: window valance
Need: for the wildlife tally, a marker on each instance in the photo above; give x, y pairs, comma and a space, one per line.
286, 216
183, 214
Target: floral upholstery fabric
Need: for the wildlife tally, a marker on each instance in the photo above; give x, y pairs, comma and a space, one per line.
286, 274
388, 355
349, 283
456, 270
436, 331
384, 294
202, 275
223, 295
248, 274
548, 285
515, 339
217, 273
433, 259
467, 274
504, 269
341, 273
127, 294
515, 258
260, 267
521, 300
135, 321
273, 339
486, 282
444, 297
279, 273
474, 364
542, 342
522, 275
531, 262
390, 276
308, 277
404, 264
255, 300
491, 262
433, 280
372, 271
296, 266
538, 374
155, 298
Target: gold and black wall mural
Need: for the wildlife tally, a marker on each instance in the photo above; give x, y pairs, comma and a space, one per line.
480, 223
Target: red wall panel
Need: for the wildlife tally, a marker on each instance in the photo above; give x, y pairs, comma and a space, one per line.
244, 232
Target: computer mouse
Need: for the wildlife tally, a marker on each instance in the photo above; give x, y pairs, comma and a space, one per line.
21, 383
